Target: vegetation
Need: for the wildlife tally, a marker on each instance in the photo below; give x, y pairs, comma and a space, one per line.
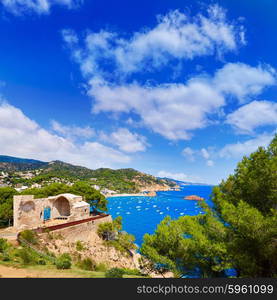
114, 237
109, 230
80, 246
63, 261
120, 272
114, 273
30, 236
121, 180
6, 205
240, 232
87, 264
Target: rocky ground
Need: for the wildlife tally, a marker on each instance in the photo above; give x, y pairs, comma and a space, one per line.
95, 249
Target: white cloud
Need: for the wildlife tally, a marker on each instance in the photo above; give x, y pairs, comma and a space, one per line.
73, 131
172, 110
240, 149
210, 163
253, 115
126, 140
188, 153
176, 36
191, 155
20, 7
205, 153
179, 176
23, 137
242, 81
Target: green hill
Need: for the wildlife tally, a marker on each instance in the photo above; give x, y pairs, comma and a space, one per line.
120, 180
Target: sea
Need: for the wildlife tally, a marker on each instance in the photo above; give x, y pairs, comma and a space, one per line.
142, 214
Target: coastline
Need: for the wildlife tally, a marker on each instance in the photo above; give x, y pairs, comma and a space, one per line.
126, 195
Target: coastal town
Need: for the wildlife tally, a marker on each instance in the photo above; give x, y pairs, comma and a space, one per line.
36, 178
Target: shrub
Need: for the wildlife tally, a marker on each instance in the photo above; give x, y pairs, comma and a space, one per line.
106, 231
87, 264
30, 236
101, 267
63, 261
132, 272
41, 261
3, 245
114, 273
25, 256
79, 246
6, 257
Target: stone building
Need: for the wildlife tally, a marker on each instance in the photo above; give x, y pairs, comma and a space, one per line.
32, 213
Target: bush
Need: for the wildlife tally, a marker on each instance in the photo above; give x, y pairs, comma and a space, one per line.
79, 246
87, 264
101, 267
6, 257
132, 272
106, 231
30, 236
41, 262
114, 273
3, 245
63, 262
25, 256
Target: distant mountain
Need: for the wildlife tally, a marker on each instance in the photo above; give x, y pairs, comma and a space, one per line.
9, 163
121, 180
179, 182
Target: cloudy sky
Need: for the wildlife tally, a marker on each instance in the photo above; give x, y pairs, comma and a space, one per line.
175, 88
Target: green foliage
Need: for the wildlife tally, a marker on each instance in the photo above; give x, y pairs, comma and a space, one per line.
63, 261
117, 223
109, 230
79, 246
3, 245
135, 272
87, 264
29, 236
41, 261
126, 240
91, 195
240, 232
106, 231
251, 239
26, 256
254, 180
101, 267
187, 243
6, 205
114, 273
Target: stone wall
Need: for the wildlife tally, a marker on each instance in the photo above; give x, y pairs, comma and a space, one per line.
81, 232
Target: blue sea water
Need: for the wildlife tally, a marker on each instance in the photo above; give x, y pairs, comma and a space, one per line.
142, 214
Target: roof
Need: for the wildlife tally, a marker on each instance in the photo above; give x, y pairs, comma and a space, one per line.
65, 195
80, 204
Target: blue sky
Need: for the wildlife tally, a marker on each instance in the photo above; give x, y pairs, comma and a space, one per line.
181, 89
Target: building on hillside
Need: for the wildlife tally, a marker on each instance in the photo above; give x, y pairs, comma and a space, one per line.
20, 188
32, 213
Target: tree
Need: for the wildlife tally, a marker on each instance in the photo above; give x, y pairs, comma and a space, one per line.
188, 244
6, 205
254, 180
91, 195
239, 232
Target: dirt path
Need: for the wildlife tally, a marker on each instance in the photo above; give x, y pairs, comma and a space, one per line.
10, 272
